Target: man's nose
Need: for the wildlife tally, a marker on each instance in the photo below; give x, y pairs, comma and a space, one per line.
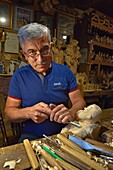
39, 57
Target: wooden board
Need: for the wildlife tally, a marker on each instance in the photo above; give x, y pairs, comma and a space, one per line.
14, 152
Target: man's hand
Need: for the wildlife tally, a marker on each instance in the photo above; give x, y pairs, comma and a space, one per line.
60, 114
40, 112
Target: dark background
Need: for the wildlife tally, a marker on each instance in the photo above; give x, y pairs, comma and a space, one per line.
104, 6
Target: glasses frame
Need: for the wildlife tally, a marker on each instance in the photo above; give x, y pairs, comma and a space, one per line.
40, 53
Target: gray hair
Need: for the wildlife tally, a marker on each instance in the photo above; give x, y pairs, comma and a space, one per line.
33, 31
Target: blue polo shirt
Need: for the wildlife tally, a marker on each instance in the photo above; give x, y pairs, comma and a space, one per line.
54, 88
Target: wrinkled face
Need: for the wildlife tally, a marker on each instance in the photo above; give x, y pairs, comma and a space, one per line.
38, 54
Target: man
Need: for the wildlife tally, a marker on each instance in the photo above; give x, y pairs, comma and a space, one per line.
39, 92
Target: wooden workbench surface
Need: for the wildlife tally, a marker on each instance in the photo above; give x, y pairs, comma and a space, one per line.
14, 152
17, 151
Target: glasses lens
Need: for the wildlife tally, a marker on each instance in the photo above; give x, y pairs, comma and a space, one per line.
32, 53
44, 48
44, 51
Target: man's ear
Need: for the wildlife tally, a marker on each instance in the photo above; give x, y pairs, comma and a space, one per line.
23, 53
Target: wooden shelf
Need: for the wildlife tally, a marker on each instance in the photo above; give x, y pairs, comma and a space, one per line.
6, 75
102, 27
101, 63
108, 46
97, 51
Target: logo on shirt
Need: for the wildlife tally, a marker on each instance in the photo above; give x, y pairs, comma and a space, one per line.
57, 84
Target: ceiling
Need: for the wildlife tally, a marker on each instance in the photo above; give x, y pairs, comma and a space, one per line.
104, 6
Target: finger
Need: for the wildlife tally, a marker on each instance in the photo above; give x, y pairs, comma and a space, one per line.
63, 111
66, 119
44, 108
43, 104
41, 115
54, 114
52, 106
40, 118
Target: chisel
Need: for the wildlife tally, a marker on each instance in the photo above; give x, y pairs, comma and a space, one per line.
79, 156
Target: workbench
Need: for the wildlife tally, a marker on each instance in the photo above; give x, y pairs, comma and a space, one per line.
17, 151
14, 152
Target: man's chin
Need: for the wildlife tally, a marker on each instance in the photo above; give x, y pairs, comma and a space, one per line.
40, 69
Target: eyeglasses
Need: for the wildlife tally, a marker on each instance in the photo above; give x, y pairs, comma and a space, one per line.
44, 52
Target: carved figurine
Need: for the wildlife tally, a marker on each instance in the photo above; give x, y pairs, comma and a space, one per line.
58, 53
88, 119
72, 55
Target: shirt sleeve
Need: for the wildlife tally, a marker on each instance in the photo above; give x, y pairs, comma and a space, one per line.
71, 80
14, 87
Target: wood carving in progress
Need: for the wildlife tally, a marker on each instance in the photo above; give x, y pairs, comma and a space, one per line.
88, 119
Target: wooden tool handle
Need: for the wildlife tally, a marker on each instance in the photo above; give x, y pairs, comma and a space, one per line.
50, 159
66, 165
81, 157
72, 160
99, 144
31, 155
71, 144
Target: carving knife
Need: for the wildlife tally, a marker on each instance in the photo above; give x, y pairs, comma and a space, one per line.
73, 161
89, 147
75, 124
77, 155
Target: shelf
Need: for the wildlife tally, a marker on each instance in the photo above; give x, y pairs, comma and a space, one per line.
102, 27
98, 93
101, 63
97, 49
108, 46
6, 75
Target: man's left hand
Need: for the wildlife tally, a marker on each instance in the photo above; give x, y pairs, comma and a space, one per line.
60, 114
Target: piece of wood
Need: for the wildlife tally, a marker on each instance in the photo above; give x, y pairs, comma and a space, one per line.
66, 165
81, 157
71, 144
14, 152
31, 155
84, 159
72, 160
50, 159
110, 166
99, 144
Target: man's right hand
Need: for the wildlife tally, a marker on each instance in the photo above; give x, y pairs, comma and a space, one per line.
39, 112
